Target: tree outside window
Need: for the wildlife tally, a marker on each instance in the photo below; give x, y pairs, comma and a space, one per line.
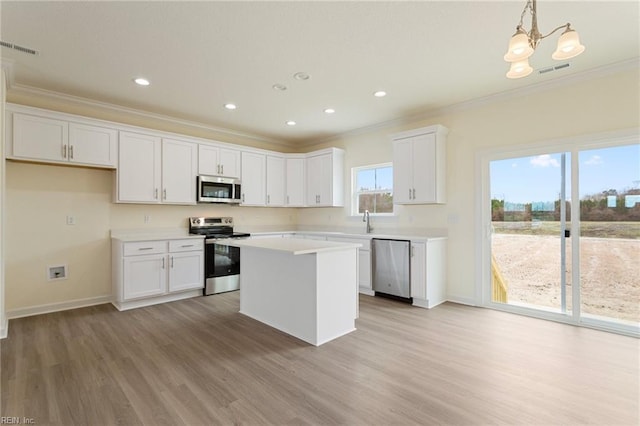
373, 189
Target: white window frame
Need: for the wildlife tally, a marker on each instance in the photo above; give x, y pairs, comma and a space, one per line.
355, 193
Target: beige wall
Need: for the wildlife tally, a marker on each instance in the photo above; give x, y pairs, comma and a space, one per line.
45, 194
605, 103
39, 199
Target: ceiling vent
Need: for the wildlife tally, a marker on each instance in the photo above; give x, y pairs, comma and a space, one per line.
19, 48
554, 68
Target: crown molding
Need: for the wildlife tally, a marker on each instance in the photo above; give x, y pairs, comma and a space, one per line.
587, 75
7, 65
78, 100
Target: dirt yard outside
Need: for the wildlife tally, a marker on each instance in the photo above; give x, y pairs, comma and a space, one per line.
609, 269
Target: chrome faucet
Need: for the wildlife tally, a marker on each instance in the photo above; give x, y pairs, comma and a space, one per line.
366, 218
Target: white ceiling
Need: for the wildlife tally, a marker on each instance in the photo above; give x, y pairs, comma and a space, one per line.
201, 55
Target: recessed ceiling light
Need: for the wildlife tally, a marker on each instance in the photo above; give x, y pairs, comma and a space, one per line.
279, 87
141, 81
291, 123
380, 94
329, 110
301, 76
230, 106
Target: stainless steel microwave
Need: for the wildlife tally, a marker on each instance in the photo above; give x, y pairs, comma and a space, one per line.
216, 189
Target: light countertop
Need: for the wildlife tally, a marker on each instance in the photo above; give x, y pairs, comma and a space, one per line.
293, 246
127, 235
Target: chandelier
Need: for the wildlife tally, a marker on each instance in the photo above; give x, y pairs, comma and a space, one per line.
523, 44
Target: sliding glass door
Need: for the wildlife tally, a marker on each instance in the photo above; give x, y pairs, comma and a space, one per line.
585, 271
610, 234
530, 227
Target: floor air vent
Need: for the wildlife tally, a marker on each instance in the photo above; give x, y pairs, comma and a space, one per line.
18, 48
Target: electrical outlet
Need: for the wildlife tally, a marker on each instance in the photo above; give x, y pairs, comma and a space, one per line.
147, 218
71, 220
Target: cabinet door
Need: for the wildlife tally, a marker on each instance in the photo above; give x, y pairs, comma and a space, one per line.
314, 180
139, 167
186, 270
92, 145
179, 171
144, 276
295, 182
402, 171
253, 179
229, 160
419, 270
325, 182
208, 157
364, 280
424, 168
275, 181
40, 138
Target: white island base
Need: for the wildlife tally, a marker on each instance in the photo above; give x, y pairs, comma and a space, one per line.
305, 288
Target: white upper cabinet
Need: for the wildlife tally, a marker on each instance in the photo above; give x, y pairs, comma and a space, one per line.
154, 170
41, 138
218, 161
275, 181
93, 145
179, 171
254, 173
294, 181
419, 160
325, 178
139, 168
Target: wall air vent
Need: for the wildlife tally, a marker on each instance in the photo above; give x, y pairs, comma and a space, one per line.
553, 68
19, 48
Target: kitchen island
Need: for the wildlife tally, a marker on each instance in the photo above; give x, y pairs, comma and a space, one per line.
305, 288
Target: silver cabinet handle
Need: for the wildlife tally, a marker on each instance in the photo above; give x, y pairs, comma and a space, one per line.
163, 263
71, 152
187, 245
145, 248
287, 199
164, 194
243, 197
155, 194
268, 199
222, 169
409, 193
64, 151
172, 262
411, 249
218, 168
414, 193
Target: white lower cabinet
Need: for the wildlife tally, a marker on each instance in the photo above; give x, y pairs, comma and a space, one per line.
186, 265
150, 272
364, 261
428, 263
144, 276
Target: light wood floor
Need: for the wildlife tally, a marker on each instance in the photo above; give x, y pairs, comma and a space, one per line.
200, 362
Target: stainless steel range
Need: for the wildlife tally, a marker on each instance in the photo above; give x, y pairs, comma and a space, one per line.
221, 262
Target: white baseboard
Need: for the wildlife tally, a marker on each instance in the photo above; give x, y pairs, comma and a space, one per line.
4, 328
367, 291
462, 300
139, 303
56, 307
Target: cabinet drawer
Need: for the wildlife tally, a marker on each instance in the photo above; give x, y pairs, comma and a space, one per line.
190, 244
145, 247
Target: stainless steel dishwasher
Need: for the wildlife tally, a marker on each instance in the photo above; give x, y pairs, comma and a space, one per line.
391, 268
